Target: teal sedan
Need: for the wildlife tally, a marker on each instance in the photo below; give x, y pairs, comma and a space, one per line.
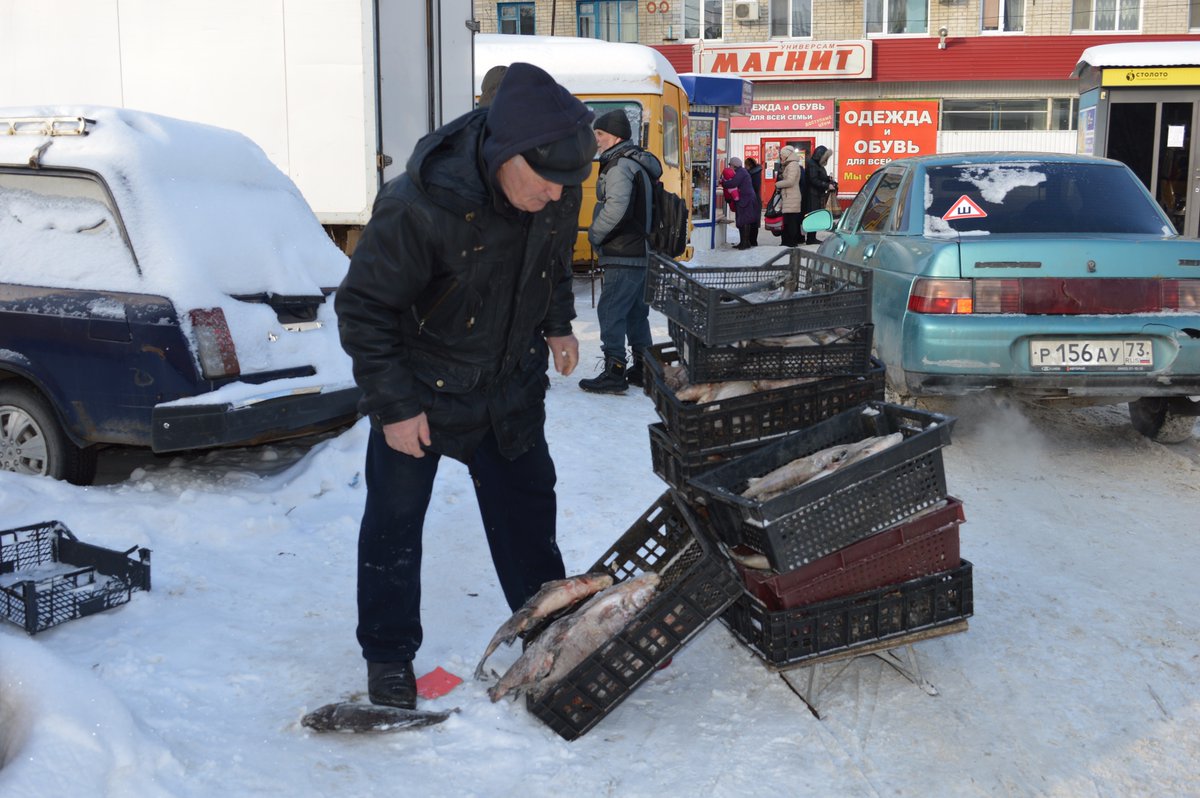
1050, 276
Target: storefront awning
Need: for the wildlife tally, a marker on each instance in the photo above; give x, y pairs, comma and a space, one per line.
734, 93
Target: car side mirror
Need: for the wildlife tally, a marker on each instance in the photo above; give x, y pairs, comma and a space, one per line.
817, 221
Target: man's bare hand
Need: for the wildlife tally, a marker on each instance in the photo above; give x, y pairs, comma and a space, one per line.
408, 436
565, 350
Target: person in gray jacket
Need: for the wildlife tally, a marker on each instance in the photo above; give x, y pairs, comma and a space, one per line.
620, 224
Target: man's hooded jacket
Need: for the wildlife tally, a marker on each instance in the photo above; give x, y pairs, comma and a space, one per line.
451, 290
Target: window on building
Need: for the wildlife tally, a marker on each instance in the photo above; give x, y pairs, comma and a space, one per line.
1003, 15
793, 17
703, 19
516, 18
611, 20
1010, 114
1106, 14
1194, 14
897, 16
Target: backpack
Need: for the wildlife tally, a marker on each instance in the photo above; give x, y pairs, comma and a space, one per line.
668, 233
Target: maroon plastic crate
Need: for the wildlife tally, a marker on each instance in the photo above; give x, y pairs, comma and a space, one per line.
924, 544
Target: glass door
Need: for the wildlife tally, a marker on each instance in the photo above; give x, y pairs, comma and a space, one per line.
1151, 132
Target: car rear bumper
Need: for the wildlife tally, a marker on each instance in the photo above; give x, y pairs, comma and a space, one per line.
956, 355
250, 420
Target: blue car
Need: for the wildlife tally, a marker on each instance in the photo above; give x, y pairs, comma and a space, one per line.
162, 285
1049, 276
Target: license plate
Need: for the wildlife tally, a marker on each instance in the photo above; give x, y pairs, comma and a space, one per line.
1082, 354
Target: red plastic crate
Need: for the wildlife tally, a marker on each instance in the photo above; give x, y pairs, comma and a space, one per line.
925, 544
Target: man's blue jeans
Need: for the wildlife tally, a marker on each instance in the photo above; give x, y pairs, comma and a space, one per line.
518, 507
623, 312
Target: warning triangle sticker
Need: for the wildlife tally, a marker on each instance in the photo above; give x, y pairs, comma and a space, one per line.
964, 208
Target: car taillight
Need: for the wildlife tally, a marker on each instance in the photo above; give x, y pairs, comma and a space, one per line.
1181, 295
214, 344
1054, 296
941, 296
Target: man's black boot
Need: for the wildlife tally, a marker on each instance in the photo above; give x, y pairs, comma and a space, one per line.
611, 380
635, 374
392, 684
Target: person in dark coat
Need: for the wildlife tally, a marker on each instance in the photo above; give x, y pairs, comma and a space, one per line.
754, 169
751, 231
817, 184
457, 294
739, 193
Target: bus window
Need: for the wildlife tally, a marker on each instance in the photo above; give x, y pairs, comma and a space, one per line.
670, 135
633, 112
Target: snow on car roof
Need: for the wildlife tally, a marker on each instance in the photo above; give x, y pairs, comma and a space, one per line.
1139, 54
583, 66
206, 211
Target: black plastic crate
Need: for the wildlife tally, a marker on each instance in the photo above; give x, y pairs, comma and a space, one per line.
821, 516
677, 465
696, 587
700, 427
848, 355
47, 576
711, 304
787, 637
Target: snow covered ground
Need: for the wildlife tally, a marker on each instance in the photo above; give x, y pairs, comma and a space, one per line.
1079, 673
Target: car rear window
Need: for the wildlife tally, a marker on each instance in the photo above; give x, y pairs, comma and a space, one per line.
59, 230
1038, 197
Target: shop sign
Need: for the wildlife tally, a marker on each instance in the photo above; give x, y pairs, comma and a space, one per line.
874, 132
1151, 76
787, 115
787, 60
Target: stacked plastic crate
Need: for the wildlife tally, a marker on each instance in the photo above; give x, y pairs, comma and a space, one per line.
751, 333
862, 554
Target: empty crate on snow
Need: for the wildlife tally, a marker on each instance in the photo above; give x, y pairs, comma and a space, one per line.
822, 515
47, 576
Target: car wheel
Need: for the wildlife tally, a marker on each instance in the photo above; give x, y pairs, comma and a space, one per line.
33, 442
1162, 419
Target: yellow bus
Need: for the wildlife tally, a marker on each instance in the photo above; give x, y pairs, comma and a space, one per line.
606, 76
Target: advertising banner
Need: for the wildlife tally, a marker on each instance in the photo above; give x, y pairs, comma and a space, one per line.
874, 132
787, 115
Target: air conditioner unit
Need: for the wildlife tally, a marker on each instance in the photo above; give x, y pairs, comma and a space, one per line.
745, 10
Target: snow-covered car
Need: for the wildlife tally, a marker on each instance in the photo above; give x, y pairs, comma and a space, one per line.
162, 285
1051, 276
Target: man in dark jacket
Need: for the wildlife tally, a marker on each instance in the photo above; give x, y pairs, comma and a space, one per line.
458, 291
816, 184
620, 222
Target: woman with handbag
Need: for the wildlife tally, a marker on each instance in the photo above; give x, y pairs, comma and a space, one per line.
791, 191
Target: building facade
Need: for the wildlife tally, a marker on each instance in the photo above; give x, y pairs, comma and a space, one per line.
876, 79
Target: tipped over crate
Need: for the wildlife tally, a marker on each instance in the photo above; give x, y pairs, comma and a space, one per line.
823, 515
924, 544
758, 416
789, 637
696, 586
713, 304
47, 576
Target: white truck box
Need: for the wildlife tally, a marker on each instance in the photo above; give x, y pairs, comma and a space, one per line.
336, 92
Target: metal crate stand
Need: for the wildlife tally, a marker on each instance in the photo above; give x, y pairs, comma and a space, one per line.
808, 680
